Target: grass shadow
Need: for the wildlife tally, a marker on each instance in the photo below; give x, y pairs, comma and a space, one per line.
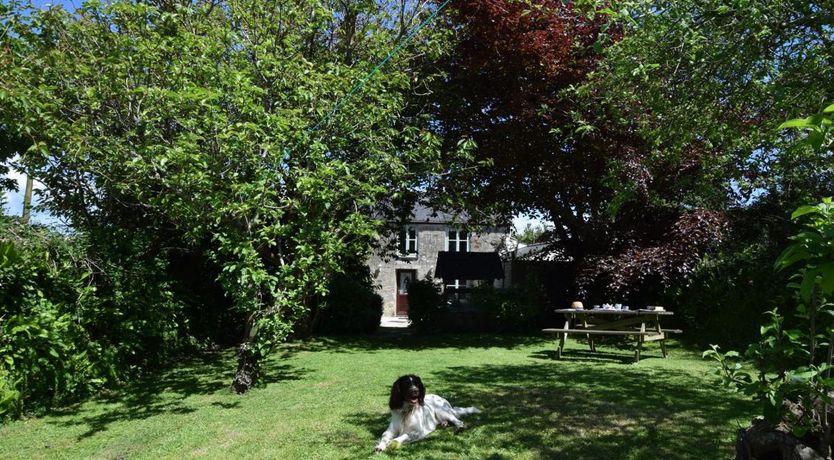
166, 393
405, 339
577, 412
585, 356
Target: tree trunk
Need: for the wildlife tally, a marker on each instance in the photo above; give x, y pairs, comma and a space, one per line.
246, 370
247, 364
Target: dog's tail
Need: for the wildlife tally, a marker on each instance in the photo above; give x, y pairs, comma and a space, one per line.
461, 411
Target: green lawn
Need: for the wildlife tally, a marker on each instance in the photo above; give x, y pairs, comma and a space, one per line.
328, 399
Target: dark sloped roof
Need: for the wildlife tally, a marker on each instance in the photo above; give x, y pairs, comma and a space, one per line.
425, 214
540, 251
468, 266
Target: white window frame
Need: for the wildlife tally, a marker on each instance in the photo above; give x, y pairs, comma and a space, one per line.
458, 240
409, 240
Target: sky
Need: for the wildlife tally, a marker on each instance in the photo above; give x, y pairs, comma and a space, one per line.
69, 5
14, 201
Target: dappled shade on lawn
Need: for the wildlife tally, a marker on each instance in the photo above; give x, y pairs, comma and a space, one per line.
327, 398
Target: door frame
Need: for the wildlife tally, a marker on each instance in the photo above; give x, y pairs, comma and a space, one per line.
401, 300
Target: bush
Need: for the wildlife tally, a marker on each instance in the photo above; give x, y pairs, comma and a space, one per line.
72, 322
510, 310
352, 306
47, 357
728, 295
426, 306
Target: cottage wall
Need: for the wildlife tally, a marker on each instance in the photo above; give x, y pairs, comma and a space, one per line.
431, 239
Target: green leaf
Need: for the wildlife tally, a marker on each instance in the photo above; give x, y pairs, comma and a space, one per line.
816, 138
829, 109
806, 288
803, 210
791, 255
827, 278
794, 334
797, 123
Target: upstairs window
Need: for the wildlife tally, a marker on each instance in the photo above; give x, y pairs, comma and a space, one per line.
458, 241
408, 241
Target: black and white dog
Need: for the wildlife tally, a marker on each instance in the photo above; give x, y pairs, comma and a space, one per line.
414, 414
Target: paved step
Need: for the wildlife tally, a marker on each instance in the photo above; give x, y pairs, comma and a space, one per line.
394, 321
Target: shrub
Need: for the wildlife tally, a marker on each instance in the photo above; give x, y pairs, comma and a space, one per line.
45, 359
352, 306
510, 310
44, 348
71, 322
728, 296
792, 375
426, 307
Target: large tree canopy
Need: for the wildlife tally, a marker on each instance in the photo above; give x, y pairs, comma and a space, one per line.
215, 121
519, 86
709, 83
636, 126
722, 75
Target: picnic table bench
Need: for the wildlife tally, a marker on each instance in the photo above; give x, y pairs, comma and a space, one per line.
644, 325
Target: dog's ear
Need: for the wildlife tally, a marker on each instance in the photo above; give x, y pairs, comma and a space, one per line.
422, 389
396, 400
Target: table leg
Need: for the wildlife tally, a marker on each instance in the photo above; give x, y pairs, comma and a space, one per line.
589, 336
562, 339
639, 342
663, 340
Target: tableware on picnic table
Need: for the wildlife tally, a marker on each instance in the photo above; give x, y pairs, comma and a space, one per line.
577, 305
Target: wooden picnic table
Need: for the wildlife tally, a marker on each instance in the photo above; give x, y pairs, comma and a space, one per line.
644, 325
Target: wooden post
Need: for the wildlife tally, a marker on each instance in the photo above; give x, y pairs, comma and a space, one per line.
27, 200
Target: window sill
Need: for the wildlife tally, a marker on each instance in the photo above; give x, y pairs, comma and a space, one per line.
407, 256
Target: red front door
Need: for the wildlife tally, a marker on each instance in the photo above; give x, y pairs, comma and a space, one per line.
404, 278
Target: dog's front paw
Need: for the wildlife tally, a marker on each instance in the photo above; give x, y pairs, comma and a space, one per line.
459, 428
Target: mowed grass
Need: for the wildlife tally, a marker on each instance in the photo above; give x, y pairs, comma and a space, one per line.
327, 398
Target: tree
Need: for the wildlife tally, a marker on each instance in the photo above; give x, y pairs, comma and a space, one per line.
716, 78
9, 146
213, 124
531, 233
519, 86
723, 75
793, 371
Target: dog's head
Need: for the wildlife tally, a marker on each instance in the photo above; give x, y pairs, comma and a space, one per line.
407, 389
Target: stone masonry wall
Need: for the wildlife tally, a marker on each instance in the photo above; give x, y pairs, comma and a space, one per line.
431, 239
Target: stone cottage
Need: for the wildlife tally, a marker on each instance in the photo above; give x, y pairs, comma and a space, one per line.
428, 236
